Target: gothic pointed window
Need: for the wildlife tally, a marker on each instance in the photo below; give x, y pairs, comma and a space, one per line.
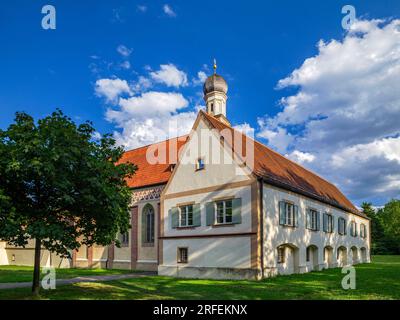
148, 224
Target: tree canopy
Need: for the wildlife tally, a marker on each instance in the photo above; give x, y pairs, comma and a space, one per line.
60, 186
385, 227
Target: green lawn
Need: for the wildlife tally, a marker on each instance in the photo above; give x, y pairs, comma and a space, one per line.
25, 274
378, 280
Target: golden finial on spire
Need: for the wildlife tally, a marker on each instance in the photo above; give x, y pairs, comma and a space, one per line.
215, 66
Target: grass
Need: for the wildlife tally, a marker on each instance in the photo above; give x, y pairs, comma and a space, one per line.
378, 280
25, 274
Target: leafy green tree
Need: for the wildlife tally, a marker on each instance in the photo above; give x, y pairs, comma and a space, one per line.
390, 217
377, 232
59, 187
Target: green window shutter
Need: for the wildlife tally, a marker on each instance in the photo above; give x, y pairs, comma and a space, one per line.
174, 214
333, 224
296, 216
281, 212
318, 221
196, 215
325, 222
237, 210
210, 215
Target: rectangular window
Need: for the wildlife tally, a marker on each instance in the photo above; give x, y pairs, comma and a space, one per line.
182, 255
363, 231
308, 254
200, 164
186, 216
353, 229
224, 211
328, 223
341, 226
281, 255
288, 214
312, 221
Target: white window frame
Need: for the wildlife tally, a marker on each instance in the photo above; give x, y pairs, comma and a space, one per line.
353, 228
187, 211
224, 215
289, 214
313, 219
281, 254
342, 222
179, 254
363, 230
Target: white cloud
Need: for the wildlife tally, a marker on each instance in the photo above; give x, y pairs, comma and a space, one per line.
111, 89
245, 128
346, 113
201, 78
142, 84
301, 157
150, 117
170, 75
169, 11
125, 65
124, 51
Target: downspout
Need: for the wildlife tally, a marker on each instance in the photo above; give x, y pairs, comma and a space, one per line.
260, 181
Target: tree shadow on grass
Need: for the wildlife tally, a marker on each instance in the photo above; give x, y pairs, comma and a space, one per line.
374, 281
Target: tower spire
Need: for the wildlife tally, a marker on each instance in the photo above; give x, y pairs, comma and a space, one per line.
215, 66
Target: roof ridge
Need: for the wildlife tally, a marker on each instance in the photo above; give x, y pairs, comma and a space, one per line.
151, 144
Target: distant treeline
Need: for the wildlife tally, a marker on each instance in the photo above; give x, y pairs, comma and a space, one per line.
385, 227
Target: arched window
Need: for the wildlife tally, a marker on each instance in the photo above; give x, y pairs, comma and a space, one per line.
148, 224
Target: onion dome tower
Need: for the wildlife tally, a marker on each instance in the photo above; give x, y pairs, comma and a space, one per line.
215, 89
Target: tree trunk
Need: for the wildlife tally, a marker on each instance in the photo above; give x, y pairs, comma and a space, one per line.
36, 270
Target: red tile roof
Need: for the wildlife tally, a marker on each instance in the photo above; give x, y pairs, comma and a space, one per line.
269, 165
277, 170
153, 174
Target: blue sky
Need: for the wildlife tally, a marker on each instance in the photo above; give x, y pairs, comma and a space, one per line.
256, 43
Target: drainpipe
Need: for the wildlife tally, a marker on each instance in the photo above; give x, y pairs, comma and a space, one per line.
260, 181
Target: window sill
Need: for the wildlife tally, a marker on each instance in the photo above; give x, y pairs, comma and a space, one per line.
186, 227
221, 225
288, 226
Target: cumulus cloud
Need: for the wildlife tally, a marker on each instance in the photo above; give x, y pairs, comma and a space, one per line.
346, 112
170, 75
150, 117
169, 11
111, 89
